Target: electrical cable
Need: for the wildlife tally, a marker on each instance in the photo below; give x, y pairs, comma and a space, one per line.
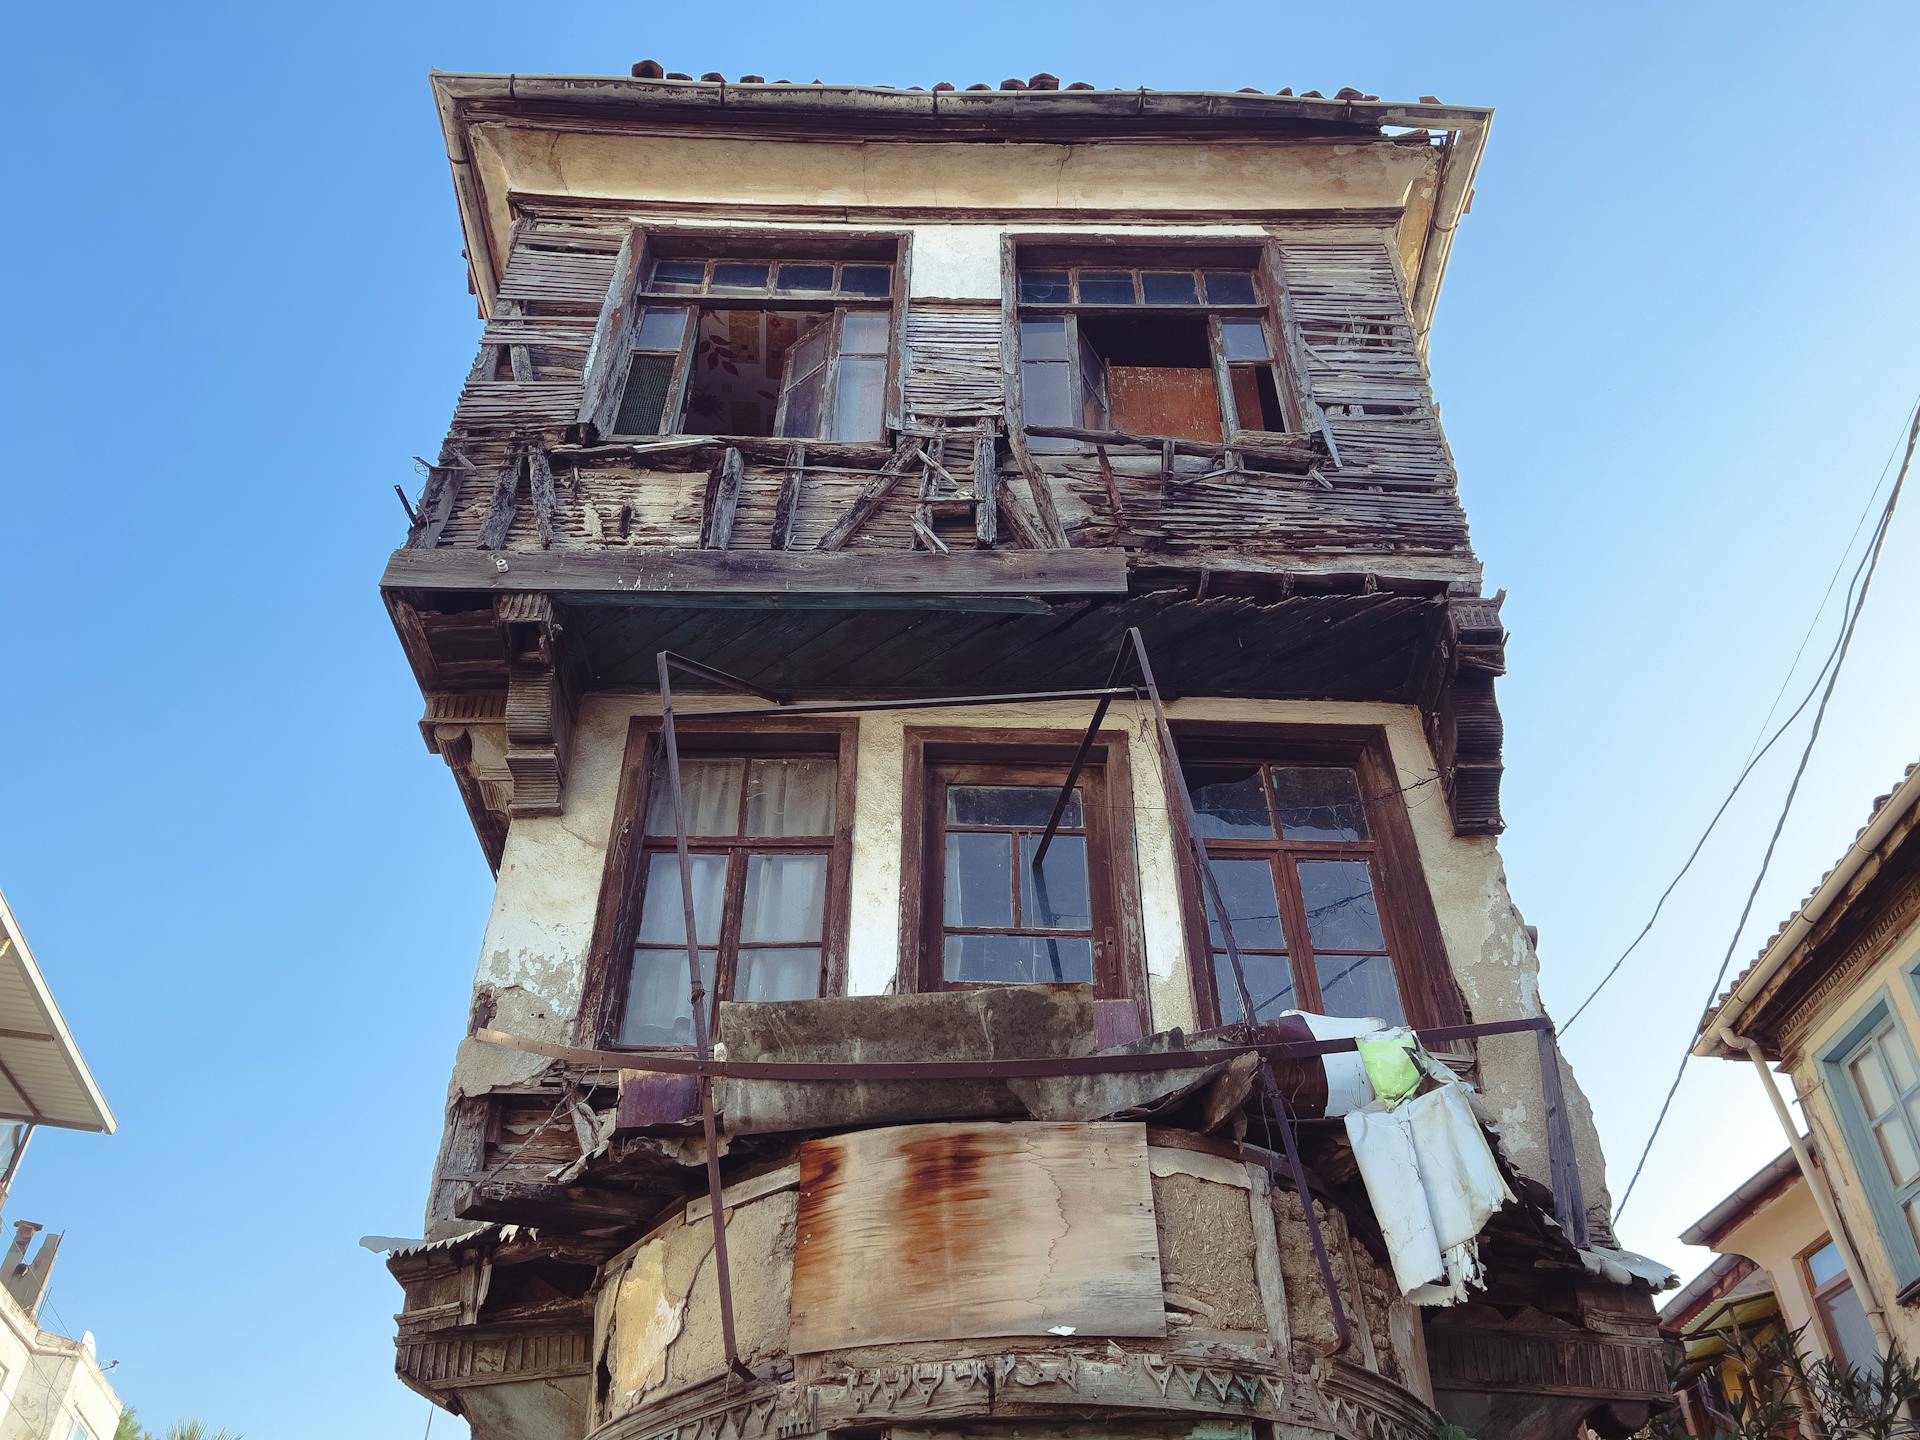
1869, 562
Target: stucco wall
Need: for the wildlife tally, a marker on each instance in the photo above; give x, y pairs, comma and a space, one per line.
50, 1381
1774, 1237
533, 959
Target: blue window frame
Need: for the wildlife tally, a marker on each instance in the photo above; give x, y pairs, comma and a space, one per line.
1875, 1081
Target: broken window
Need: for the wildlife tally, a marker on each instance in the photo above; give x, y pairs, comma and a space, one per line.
800, 349
1293, 852
1182, 353
764, 870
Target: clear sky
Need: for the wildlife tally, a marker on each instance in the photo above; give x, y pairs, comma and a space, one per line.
1676, 345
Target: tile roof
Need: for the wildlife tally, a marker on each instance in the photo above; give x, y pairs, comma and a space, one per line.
654, 70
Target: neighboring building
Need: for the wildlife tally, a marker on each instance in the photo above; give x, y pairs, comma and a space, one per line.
941, 419
51, 1386
1834, 1001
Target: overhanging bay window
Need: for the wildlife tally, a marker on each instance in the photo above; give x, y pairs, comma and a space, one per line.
1183, 348
767, 818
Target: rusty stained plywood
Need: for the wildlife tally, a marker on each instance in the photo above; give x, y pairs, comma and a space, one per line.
959, 1231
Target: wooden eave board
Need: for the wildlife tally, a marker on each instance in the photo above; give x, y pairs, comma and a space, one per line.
961, 1231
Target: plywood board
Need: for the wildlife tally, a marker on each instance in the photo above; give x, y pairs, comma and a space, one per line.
958, 1231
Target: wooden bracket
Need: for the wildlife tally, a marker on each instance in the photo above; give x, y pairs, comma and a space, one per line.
539, 703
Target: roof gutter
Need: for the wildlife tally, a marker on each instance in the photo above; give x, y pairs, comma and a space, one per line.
483, 271
1459, 164
1722, 1037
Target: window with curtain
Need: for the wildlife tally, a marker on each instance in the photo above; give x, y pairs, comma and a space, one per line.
1843, 1320
763, 870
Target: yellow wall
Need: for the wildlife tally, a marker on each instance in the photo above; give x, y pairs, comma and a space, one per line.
1774, 1237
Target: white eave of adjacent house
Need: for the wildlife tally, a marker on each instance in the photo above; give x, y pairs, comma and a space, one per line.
43, 1077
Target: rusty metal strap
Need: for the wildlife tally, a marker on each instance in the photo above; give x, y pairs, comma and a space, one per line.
864, 1070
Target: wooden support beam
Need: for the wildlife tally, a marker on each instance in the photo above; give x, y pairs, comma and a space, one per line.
1569, 1204
519, 357
871, 498
722, 500
546, 505
787, 509
505, 501
1026, 529
1043, 501
986, 490
1110, 485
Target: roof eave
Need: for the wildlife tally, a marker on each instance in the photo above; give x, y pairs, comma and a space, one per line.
100, 1121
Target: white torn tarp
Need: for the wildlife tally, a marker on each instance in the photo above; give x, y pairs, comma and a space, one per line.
1433, 1183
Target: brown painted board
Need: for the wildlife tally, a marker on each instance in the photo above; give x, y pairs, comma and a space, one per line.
960, 1231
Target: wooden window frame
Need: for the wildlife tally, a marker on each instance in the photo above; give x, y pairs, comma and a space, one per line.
631, 294
1407, 916
1884, 1199
1258, 258
1817, 1294
1119, 963
623, 875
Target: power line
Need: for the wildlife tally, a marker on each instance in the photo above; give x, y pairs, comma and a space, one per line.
1757, 756
1864, 575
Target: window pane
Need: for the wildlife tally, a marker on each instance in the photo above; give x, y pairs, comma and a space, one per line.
1106, 287
860, 399
1168, 287
659, 1010
864, 332
1246, 888
1341, 914
710, 790
1044, 287
680, 276
1357, 985
1023, 805
1847, 1320
1269, 982
790, 797
1044, 338
1824, 1264
661, 329
978, 888
802, 420
804, 277
663, 916
1870, 1080
1043, 395
1899, 1060
790, 972
866, 279
1018, 960
1230, 287
1318, 802
738, 276
645, 397
809, 350
1243, 339
1229, 803
1896, 1148
1055, 898
786, 898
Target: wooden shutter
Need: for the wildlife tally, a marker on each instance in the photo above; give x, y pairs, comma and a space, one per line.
611, 352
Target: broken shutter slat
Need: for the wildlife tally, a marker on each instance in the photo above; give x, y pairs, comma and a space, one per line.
607, 359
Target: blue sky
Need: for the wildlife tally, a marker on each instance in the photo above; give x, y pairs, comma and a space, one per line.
1674, 350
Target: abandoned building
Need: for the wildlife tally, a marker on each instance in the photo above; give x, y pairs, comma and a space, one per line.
950, 614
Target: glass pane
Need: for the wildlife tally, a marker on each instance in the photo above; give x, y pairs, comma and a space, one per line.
1318, 802
1018, 960
1230, 287
1899, 1060
809, 350
1044, 338
1044, 287
860, 399
802, 420
1243, 339
786, 898
1043, 395
978, 889
1847, 1320
738, 276
1357, 985
1341, 914
1228, 803
1246, 888
659, 1009
1870, 1080
804, 277
710, 789
661, 329
866, 279
790, 797
1269, 982
645, 397
1896, 1148
1168, 287
663, 914
1824, 1264
1106, 287
864, 332
680, 276
789, 972
1022, 805
1056, 897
